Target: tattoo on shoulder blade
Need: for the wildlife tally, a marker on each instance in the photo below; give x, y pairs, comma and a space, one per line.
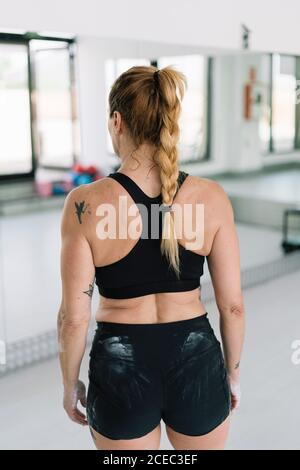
81, 208
90, 290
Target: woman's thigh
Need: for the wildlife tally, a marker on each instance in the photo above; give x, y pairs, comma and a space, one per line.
215, 440
150, 441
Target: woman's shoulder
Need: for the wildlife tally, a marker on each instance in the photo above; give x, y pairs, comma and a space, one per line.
207, 188
82, 201
100, 189
218, 209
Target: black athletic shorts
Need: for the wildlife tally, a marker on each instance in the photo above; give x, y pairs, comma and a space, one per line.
142, 373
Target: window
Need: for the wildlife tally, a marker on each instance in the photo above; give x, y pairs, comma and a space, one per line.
279, 123
194, 119
38, 119
265, 119
56, 139
15, 133
283, 102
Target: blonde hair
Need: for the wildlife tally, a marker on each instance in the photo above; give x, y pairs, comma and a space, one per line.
148, 101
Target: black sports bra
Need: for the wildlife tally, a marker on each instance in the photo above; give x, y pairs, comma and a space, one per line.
144, 270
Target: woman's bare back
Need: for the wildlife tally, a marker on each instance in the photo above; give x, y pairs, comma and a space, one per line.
153, 308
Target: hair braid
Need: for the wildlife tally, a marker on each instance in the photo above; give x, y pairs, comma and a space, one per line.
167, 156
148, 101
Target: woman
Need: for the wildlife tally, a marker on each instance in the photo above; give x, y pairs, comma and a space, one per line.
154, 354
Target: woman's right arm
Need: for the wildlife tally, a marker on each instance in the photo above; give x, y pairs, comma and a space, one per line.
224, 267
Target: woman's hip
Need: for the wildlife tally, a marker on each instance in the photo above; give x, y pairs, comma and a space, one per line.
156, 345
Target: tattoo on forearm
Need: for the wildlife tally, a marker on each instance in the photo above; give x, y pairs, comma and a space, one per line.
90, 290
81, 208
237, 366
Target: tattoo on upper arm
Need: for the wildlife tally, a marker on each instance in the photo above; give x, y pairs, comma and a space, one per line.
81, 208
90, 290
237, 366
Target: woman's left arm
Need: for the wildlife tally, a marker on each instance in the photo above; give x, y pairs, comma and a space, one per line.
77, 275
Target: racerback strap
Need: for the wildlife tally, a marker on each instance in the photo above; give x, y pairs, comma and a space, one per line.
136, 192
181, 178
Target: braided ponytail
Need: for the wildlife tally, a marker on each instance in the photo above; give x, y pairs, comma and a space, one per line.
167, 156
148, 102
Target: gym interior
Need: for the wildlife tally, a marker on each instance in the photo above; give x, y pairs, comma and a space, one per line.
240, 125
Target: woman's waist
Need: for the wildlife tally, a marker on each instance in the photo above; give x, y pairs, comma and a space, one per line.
156, 345
155, 308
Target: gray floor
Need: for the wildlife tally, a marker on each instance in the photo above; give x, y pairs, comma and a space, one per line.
32, 417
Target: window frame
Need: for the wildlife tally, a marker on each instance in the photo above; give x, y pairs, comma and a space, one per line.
13, 38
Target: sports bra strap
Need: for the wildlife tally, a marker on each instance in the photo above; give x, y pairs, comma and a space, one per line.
181, 178
131, 187
136, 192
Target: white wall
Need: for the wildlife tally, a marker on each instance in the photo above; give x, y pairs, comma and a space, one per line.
30, 274
213, 23
243, 150
30, 267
